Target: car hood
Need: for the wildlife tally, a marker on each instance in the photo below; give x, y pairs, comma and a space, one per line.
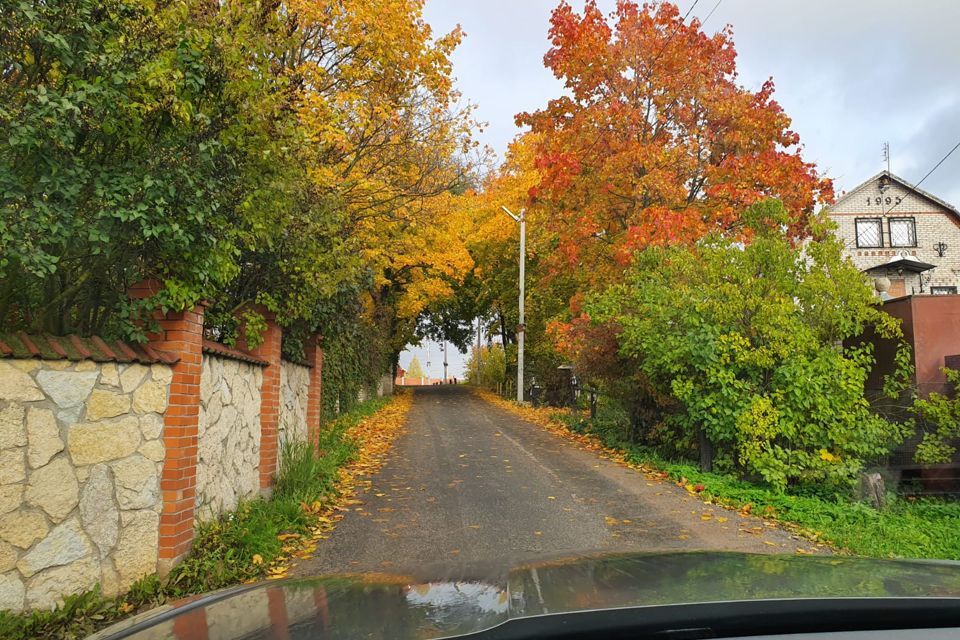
458, 600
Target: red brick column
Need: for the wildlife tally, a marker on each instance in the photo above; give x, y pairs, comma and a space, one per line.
268, 350
181, 333
314, 353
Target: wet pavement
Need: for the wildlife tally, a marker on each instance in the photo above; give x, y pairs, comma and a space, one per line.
469, 483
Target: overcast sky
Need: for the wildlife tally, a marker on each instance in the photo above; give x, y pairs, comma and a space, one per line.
851, 73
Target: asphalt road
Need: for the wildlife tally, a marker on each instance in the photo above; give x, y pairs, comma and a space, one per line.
470, 484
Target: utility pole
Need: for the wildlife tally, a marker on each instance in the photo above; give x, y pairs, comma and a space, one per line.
521, 328
477, 358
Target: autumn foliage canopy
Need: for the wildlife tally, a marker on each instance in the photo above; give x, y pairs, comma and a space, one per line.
653, 176
654, 142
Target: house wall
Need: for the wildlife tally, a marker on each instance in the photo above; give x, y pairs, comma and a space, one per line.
228, 465
81, 455
934, 224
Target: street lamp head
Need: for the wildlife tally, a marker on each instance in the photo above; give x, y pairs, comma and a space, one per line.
516, 218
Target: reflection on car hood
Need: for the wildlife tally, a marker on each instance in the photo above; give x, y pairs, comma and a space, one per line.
459, 600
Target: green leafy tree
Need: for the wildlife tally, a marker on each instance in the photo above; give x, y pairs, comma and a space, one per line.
938, 416
743, 344
122, 155
492, 366
416, 369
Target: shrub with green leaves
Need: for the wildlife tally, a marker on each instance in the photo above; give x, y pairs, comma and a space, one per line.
747, 339
115, 159
938, 417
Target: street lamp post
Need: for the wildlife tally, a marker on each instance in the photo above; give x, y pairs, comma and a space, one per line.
520, 327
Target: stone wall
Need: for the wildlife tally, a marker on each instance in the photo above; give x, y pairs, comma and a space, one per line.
228, 465
108, 461
294, 388
80, 461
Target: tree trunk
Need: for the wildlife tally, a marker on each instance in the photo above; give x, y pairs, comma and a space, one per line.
634, 423
706, 451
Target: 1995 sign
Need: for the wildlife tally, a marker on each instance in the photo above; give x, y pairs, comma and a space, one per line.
882, 200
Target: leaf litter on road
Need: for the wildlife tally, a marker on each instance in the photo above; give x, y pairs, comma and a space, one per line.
546, 418
374, 436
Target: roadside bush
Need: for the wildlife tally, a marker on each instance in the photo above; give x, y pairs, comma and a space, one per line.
939, 420
308, 473
746, 340
907, 528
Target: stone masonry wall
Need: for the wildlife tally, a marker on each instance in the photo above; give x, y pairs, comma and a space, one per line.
294, 389
80, 461
228, 468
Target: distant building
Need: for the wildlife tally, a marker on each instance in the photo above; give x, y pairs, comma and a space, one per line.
908, 242
906, 239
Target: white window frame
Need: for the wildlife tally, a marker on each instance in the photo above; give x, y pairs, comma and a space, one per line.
856, 231
913, 231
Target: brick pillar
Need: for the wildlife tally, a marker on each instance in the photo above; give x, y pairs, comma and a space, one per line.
268, 350
314, 353
181, 334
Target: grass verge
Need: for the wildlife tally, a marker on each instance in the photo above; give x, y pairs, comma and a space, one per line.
253, 542
906, 528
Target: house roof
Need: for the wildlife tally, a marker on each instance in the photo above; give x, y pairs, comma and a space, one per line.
49, 347
910, 187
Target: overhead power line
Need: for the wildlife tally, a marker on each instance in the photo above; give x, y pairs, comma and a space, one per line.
675, 30
704, 21
935, 167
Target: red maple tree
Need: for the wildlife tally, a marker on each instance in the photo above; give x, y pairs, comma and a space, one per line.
655, 142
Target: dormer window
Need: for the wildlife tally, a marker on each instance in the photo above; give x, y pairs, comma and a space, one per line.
869, 233
903, 232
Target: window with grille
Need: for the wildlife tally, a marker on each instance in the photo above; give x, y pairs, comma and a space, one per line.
869, 232
903, 232
943, 291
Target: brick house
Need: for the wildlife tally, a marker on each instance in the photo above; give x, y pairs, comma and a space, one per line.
908, 240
